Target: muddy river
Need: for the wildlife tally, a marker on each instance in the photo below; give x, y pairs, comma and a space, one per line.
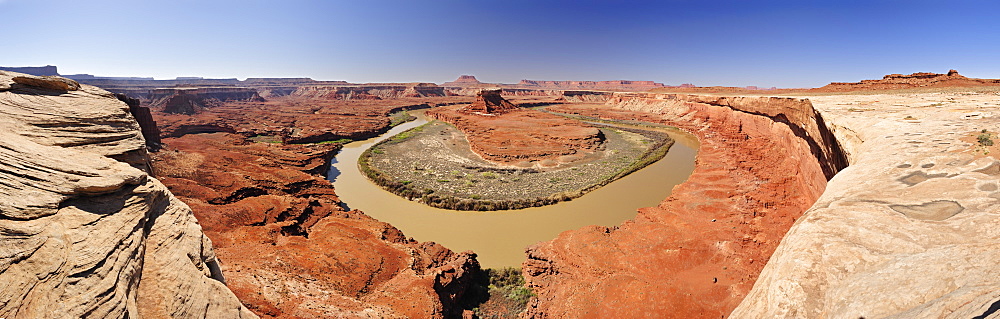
499, 237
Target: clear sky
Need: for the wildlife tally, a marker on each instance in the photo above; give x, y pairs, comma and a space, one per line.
799, 43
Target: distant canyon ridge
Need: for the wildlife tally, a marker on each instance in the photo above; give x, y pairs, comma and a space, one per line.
796, 204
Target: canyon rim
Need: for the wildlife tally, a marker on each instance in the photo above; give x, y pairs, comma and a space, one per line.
525, 159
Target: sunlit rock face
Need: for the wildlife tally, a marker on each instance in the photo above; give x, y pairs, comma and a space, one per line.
696, 255
86, 231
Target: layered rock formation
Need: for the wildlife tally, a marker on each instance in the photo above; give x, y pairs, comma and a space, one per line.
699, 252
142, 115
463, 81
292, 250
586, 96
369, 92
915, 80
48, 70
909, 230
620, 85
86, 231
190, 101
286, 237
489, 102
289, 119
52, 83
499, 131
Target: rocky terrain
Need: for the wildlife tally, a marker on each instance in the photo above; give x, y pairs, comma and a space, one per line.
620, 85
434, 164
909, 229
762, 162
469, 81
915, 80
291, 250
293, 119
500, 132
278, 223
463, 81
772, 223
87, 232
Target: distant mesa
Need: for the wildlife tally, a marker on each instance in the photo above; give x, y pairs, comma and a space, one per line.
914, 80
617, 85
489, 102
464, 81
469, 81
48, 70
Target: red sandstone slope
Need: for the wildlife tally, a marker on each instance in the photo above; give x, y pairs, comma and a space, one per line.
698, 253
288, 249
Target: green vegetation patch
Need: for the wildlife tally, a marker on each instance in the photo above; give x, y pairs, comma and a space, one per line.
498, 293
400, 117
985, 139
340, 141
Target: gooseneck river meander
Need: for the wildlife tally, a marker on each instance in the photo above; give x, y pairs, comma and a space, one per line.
499, 237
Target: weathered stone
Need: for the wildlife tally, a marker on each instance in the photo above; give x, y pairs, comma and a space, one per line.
55, 83
489, 102
697, 253
520, 136
908, 230
290, 248
85, 235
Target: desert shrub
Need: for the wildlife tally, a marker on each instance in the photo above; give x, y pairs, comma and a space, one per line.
985, 139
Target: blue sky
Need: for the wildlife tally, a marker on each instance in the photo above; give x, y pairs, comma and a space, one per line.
735, 43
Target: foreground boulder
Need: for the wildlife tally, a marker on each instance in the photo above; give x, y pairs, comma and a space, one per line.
55, 83
84, 230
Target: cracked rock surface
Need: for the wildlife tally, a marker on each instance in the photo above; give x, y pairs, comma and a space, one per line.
909, 230
85, 232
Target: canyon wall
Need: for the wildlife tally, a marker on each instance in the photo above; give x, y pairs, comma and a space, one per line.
909, 230
586, 96
621, 85
183, 100
47, 70
368, 92
909, 81
86, 231
699, 252
292, 248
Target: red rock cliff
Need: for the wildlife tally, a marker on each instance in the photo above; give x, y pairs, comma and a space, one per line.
698, 253
915, 80
290, 248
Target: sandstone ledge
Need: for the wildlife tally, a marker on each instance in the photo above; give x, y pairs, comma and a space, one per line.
84, 231
909, 230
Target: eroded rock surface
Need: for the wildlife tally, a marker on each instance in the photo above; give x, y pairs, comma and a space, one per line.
909, 229
86, 232
699, 252
909, 81
291, 249
54, 83
523, 137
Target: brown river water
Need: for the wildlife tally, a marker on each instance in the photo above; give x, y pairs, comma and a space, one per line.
499, 237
